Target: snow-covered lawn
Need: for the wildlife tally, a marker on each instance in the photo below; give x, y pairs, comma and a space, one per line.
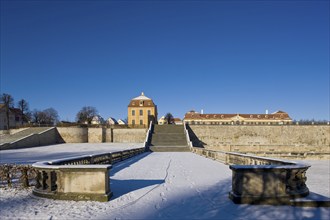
156, 186
57, 151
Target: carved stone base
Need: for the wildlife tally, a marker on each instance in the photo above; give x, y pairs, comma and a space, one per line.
257, 200
75, 196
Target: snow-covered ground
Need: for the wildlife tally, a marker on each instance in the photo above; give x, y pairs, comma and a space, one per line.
57, 151
159, 186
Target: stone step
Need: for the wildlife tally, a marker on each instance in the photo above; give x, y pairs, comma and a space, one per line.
168, 128
169, 148
167, 138
168, 144
178, 138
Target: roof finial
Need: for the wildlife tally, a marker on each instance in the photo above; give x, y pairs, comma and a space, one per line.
142, 93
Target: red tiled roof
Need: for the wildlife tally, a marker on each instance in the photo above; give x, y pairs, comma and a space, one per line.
278, 115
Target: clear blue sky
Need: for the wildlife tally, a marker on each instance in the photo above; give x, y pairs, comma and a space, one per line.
220, 56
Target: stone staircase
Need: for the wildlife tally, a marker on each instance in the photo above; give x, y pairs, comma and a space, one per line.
168, 138
14, 137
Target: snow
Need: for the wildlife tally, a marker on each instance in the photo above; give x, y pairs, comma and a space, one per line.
318, 178
152, 186
59, 151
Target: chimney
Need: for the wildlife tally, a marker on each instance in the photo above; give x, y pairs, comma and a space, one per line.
266, 111
202, 112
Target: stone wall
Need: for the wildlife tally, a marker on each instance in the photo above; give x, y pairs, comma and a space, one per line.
129, 135
43, 138
96, 135
254, 139
100, 135
72, 135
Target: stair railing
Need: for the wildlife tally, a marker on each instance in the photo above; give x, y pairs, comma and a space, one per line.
148, 137
189, 143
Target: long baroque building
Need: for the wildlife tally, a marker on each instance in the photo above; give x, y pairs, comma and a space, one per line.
278, 117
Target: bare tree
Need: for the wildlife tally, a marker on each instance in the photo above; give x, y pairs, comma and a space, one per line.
37, 116
86, 114
50, 116
24, 107
8, 101
169, 118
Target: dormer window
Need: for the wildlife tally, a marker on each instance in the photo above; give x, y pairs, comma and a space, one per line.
141, 103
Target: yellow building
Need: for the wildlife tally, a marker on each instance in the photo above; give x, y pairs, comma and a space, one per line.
142, 110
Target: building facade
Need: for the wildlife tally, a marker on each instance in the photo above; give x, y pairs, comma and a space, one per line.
15, 117
111, 121
162, 121
97, 120
141, 110
278, 117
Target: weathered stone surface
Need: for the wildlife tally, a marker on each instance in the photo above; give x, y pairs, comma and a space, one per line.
100, 135
130, 135
96, 135
72, 135
284, 141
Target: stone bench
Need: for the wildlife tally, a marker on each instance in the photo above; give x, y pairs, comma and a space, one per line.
268, 184
261, 180
79, 178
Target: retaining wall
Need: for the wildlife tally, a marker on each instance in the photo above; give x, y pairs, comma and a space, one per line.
44, 138
72, 135
96, 135
99, 135
262, 140
129, 135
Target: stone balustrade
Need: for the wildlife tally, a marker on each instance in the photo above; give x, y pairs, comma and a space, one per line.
261, 180
148, 136
189, 143
79, 178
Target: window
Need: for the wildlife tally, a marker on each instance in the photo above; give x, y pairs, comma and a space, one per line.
141, 122
141, 112
149, 112
141, 103
133, 112
133, 122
